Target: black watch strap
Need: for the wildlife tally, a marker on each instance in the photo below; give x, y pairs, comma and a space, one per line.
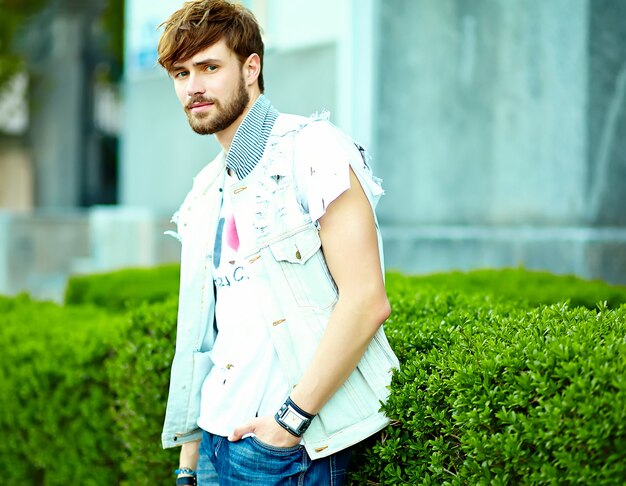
186, 480
293, 419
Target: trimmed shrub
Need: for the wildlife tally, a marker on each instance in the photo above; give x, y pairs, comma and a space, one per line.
527, 287
122, 289
489, 393
139, 378
54, 396
494, 387
486, 395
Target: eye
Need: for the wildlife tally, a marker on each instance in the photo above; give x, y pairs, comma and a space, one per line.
180, 74
210, 68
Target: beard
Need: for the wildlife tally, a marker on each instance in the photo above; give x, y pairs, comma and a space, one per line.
222, 115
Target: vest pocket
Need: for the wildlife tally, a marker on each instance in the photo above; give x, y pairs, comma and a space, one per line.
302, 264
377, 365
297, 248
354, 402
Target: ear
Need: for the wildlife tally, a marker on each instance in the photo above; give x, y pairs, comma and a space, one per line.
252, 69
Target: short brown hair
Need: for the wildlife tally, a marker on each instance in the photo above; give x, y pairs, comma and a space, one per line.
201, 23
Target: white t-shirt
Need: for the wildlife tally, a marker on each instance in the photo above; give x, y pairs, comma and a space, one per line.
246, 379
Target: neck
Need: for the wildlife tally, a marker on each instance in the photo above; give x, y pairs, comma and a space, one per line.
225, 137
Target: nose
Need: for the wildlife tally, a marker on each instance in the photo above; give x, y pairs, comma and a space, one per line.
194, 85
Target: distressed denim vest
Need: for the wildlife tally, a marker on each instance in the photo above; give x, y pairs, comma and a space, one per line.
283, 248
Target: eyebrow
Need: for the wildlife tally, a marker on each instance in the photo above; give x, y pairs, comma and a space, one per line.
204, 62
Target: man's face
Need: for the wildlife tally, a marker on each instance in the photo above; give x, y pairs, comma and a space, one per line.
210, 86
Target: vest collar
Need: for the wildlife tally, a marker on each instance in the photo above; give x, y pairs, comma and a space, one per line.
251, 137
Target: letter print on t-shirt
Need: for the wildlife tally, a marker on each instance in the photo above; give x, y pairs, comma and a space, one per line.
228, 271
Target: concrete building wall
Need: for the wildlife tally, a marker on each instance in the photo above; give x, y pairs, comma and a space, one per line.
38, 251
498, 128
606, 113
501, 135
160, 153
59, 108
483, 109
16, 177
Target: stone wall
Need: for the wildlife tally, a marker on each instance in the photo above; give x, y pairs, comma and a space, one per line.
499, 129
501, 134
16, 177
39, 251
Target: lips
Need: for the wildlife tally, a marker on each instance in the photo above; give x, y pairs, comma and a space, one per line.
195, 104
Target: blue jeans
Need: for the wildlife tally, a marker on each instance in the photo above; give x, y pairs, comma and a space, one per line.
250, 461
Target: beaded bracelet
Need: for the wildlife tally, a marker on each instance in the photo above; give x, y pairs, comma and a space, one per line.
185, 470
189, 480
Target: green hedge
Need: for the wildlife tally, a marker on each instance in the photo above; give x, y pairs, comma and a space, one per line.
121, 289
496, 387
118, 290
489, 393
139, 376
488, 390
527, 287
55, 418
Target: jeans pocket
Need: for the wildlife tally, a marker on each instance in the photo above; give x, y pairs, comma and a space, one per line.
275, 449
249, 461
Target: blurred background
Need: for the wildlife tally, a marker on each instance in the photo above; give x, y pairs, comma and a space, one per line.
497, 126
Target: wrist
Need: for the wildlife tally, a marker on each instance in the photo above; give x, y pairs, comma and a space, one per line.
185, 476
189, 454
293, 419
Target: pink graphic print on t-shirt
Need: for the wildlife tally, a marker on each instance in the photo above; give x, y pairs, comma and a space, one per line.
232, 238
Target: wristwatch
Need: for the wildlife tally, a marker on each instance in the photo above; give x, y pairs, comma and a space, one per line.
293, 419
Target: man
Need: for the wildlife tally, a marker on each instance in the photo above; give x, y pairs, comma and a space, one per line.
281, 275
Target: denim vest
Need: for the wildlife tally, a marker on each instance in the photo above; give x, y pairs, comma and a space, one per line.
283, 248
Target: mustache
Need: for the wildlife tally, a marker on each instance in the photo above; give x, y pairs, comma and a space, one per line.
200, 99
